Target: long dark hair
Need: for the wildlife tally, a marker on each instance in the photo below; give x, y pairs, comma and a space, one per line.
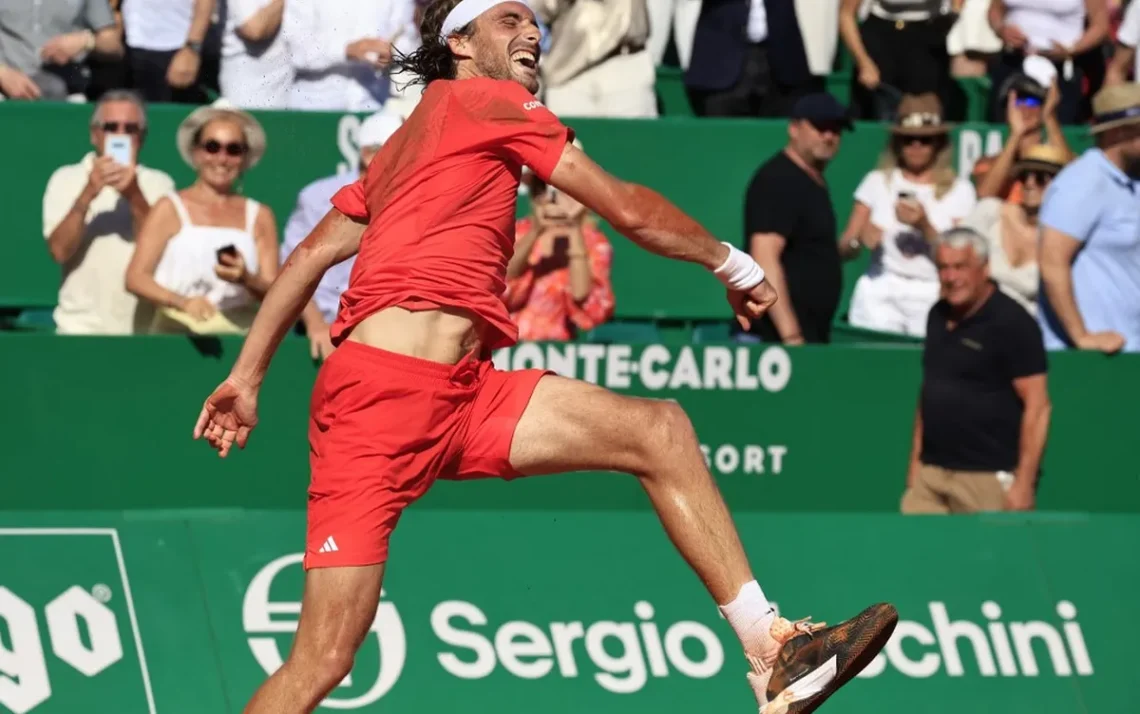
432, 60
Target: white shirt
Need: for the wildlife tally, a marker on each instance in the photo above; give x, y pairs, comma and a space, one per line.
757, 21
904, 250
1020, 282
92, 297
1047, 21
253, 75
316, 35
158, 25
908, 10
1129, 34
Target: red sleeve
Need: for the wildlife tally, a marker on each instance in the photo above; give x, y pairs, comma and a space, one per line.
350, 200
510, 119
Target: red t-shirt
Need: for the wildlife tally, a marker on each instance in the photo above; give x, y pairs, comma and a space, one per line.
440, 203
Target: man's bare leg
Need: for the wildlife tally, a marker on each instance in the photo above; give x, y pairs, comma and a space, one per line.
574, 426
337, 609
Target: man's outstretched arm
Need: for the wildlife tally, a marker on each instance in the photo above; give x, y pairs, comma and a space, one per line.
335, 238
641, 214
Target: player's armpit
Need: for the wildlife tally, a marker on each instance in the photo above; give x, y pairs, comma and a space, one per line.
637, 212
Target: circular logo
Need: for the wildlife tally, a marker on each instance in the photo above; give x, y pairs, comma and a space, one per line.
256, 614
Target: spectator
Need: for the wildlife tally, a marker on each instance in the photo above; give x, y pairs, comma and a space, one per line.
312, 204
165, 44
1090, 243
43, 45
403, 96
255, 71
983, 411
1067, 32
1012, 226
760, 72
972, 43
899, 49
1125, 62
598, 64
675, 18
900, 208
205, 253
790, 229
341, 50
91, 213
558, 281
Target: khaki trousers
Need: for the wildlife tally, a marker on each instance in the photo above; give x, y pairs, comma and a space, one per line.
939, 490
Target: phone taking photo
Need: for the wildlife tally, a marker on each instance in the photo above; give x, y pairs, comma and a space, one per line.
118, 147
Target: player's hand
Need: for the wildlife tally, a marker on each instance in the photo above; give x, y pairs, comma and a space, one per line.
752, 305
228, 415
1108, 342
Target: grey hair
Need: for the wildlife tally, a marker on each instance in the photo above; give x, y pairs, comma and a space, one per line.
963, 237
120, 95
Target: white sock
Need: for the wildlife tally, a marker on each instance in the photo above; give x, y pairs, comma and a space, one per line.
751, 616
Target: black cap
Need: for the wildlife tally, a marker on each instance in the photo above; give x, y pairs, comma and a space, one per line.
821, 108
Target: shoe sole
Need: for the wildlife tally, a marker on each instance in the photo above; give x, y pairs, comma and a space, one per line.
883, 617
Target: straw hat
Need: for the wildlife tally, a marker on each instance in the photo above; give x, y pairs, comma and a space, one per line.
1117, 105
1041, 157
919, 115
221, 109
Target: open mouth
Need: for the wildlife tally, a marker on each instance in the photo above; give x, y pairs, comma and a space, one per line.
525, 58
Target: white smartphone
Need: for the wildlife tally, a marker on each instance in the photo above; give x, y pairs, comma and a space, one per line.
118, 147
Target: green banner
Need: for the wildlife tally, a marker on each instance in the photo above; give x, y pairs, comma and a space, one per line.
105, 423
702, 164
523, 611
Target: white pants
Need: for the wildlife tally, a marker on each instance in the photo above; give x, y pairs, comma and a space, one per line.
680, 16
621, 86
890, 303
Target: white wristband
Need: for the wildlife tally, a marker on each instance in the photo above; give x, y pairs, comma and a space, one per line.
740, 271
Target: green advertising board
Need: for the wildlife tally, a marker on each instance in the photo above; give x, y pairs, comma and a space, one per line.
105, 423
504, 612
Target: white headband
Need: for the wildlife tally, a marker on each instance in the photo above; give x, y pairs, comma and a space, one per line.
465, 12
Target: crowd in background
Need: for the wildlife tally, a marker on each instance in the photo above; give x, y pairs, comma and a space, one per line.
739, 57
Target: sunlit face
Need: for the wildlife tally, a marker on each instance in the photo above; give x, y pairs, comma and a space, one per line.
916, 153
220, 153
120, 117
817, 142
505, 44
962, 275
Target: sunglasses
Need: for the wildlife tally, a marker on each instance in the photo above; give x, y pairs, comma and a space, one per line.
1040, 177
114, 127
213, 146
923, 140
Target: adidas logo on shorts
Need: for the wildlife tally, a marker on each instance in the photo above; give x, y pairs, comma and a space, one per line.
329, 546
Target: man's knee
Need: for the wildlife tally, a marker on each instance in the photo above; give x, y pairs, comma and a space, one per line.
327, 665
667, 429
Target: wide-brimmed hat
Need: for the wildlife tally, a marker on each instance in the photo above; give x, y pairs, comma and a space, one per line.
919, 115
1117, 105
1041, 157
221, 109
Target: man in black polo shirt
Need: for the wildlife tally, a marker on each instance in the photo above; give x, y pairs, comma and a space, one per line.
789, 226
983, 413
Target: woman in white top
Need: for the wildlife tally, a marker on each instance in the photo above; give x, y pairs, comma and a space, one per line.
207, 254
900, 208
1067, 32
1011, 226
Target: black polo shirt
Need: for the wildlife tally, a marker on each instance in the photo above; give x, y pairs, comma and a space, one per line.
784, 199
971, 415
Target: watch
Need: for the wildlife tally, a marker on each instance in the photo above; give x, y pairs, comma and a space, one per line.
195, 47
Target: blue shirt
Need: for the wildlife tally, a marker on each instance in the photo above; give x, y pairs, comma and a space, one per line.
313, 203
1096, 203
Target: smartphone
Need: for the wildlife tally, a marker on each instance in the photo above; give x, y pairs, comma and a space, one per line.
906, 195
227, 250
118, 147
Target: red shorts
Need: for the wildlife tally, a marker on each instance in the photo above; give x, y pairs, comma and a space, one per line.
383, 427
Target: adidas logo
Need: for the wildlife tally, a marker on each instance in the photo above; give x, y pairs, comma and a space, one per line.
329, 546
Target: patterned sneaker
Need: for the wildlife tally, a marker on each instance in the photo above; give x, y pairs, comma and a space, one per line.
815, 660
